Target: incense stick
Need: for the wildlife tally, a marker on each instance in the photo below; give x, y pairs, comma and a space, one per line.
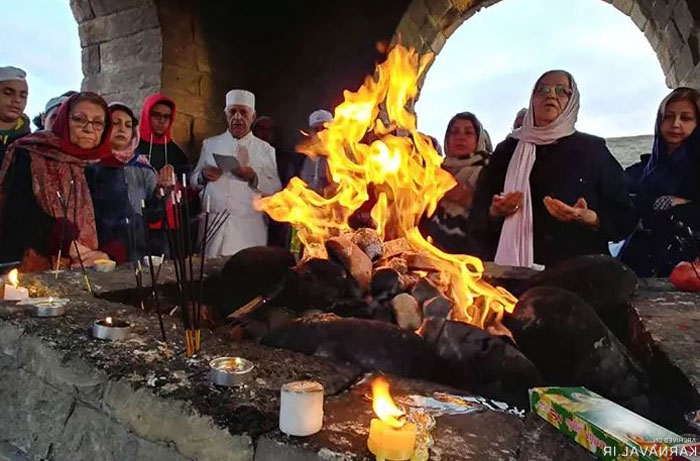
64, 205
154, 286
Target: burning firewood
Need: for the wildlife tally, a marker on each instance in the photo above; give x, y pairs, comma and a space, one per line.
425, 290
409, 280
369, 241
396, 247
407, 311
386, 284
352, 258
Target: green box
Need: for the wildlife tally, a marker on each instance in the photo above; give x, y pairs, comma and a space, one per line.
606, 429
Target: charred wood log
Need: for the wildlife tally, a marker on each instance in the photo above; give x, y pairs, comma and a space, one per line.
249, 273
385, 284
357, 263
486, 364
601, 281
570, 345
372, 345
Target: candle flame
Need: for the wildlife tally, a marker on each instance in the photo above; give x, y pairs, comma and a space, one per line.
108, 320
384, 406
12, 278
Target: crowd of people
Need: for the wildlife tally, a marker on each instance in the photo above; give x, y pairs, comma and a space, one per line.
94, 181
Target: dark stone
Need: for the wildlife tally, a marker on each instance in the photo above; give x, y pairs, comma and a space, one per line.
571, 346
435, 314
385, 284
320, 283
485, 364
601, 281
249, 273
372, 345
424, 290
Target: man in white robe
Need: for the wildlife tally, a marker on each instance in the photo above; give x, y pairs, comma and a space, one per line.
254, 173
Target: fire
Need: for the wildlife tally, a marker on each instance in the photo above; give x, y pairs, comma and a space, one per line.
108, 320
375, 152
13, 278
384, 406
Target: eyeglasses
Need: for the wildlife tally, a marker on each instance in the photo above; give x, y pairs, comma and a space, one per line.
82, 121
160, 116
559, 90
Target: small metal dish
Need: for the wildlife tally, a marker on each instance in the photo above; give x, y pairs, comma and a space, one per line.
110, 330
46, 307
230, 371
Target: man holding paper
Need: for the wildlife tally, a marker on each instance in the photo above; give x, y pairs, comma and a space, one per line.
233, 169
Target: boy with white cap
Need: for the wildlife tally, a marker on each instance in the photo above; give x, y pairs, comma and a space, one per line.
13, 99
315, 171
233, 169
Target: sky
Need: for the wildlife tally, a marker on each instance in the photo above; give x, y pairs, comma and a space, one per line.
491, 62
488, 66
41, 37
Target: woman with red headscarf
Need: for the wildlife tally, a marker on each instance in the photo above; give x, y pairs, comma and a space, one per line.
45, 203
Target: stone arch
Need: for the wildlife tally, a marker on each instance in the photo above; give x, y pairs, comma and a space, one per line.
297, 59
672, 28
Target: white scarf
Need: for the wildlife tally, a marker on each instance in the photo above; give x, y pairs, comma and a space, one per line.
515, 246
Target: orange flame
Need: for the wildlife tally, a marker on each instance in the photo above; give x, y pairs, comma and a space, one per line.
373, 144
13, 278
384, 406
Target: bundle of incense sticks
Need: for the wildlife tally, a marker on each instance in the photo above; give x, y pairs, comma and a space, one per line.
182, 246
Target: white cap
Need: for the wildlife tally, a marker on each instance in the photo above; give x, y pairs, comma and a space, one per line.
319, 116
240, 97
11, 73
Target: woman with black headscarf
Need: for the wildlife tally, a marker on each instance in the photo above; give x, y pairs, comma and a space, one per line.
668, 192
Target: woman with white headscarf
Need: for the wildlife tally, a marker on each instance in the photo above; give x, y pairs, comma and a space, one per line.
550, 193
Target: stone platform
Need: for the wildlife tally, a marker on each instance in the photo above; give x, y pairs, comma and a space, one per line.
64, 395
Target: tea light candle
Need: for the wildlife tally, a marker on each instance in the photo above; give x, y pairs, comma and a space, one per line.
390, 437
230, 371
301, 408
110, 329
47, 307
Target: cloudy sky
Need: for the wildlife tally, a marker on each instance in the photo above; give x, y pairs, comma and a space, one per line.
491, 62
488, 66
41, 37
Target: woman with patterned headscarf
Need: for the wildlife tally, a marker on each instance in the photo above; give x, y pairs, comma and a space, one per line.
550, 192
467, 150
45, 203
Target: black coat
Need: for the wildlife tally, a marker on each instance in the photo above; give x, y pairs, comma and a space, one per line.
575, 166
156, 154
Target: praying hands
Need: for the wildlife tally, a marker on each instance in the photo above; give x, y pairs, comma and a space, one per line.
578, 213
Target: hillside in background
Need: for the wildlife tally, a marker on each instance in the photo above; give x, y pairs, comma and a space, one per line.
628, 149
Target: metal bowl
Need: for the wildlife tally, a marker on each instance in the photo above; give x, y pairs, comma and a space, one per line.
46, 307
230, 371
115, 331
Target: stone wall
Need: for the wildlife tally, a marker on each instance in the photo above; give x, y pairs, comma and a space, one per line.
298, 59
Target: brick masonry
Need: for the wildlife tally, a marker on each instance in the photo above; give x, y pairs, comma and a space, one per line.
195, 52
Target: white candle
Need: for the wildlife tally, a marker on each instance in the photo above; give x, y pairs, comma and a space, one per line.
143, 204
13, 293
208, 203
301, 408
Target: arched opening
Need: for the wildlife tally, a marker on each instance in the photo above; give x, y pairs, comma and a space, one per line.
491, 73
47, 48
